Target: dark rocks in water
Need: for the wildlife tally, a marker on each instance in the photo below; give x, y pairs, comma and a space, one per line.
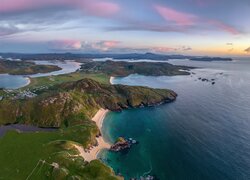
204, 79
121, 144
207, 80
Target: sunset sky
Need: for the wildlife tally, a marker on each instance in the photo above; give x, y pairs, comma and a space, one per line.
192, 27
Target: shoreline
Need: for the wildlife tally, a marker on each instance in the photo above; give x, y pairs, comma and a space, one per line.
91, 154
111, 79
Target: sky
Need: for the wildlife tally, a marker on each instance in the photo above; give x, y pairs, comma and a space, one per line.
190, 27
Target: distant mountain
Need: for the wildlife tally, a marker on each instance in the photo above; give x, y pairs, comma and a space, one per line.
133, 56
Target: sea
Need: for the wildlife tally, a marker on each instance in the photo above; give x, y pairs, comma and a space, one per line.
8, 81
203, 135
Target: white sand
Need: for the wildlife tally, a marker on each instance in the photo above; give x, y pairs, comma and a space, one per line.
111, 80
99, 117
91, 154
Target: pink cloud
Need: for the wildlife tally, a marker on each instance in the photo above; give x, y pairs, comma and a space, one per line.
100, 8
224, 27
104, 45
163, 49
92, 7
171, 49
110, 44
65, 45
186, 19
77, 45
173, 15
10, 6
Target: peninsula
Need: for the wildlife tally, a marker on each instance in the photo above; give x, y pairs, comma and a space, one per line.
25, 68
68, 105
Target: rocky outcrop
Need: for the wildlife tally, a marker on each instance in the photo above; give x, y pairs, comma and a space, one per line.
121, 144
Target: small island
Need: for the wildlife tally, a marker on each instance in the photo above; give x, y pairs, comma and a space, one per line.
210, 59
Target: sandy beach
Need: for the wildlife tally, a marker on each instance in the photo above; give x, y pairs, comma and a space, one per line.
91, 154
111, 79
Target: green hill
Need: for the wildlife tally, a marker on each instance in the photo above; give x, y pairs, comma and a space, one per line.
25, 68
68, 107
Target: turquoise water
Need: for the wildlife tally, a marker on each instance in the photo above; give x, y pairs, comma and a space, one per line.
205, 134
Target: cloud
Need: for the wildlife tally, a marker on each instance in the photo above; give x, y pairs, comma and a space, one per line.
32, 15
186, 48
229, 44
173, 15
107, 46
103, 45
171, 49
100, 8
224, 27
91, 7
76, 45
247, 50
162, 49
191, 21
143, 26
7, 29
65, 45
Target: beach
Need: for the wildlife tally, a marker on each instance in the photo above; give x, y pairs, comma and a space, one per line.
111, 80
91, 154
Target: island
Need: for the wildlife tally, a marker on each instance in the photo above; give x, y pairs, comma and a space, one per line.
25, 68
123, 68
210, 59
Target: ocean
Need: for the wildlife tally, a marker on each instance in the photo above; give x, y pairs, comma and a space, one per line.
204, 134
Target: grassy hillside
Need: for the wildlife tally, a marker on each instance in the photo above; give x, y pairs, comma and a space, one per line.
68, 103
48, 155
68, 106
122, 68
25, 68
54, 80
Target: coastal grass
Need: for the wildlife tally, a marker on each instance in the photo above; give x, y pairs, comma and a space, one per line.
49, 155
68, 106
25, 68
71, 103
122, 68
54, 80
